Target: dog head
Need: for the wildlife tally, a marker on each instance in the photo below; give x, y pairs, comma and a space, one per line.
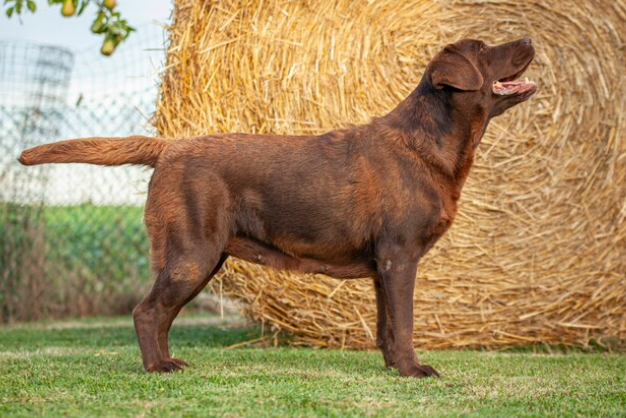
483, 78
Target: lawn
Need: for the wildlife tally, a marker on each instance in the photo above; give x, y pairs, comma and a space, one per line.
92, 368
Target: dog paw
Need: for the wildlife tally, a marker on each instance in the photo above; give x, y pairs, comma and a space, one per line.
165, 366
180, 362
390, 361
422, 370
428, 371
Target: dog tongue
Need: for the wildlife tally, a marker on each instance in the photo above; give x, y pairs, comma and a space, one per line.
512, 87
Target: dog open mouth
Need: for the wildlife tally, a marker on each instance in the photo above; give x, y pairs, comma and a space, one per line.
518, 87
512, 86
509, 86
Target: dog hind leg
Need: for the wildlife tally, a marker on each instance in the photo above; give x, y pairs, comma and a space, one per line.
188, 226
182, 278
165, 326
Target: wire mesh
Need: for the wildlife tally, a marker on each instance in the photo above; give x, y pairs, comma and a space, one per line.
72, 240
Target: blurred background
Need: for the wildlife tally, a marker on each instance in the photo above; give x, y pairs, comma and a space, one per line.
72, 240
537, 251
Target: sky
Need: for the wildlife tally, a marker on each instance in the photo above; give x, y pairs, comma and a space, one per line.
134, 65
114, 94
48, 26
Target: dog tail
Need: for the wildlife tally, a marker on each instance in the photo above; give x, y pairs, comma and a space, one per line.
102, 151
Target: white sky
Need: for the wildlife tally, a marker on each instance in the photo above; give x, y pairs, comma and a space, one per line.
48, 26
134, 67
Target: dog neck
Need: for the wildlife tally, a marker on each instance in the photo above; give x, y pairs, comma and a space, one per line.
442, 137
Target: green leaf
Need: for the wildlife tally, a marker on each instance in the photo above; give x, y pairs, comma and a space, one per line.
31, 5
10, 12
82, 7
18, 7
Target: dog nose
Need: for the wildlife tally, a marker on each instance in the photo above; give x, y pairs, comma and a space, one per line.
527, 41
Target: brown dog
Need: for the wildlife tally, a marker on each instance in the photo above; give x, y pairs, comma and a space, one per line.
368, 201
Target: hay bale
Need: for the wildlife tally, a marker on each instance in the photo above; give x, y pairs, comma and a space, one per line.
538, 250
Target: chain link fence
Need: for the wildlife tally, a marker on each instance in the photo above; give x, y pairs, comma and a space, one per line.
72, 241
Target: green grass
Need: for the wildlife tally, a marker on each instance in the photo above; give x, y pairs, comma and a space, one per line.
103, 242
93, 368
87, 259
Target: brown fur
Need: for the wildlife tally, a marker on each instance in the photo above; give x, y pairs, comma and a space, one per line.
104, 151
368, 201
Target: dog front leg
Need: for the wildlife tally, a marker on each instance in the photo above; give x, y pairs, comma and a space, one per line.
398, 278
384, 336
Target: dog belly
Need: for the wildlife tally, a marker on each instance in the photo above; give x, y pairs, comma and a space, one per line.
257, 252
332, 244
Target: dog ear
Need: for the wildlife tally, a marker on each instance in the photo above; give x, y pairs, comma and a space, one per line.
452, 68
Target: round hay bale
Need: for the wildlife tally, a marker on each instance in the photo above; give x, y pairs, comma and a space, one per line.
538, 250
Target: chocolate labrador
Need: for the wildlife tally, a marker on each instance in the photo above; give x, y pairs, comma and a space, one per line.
368, 201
